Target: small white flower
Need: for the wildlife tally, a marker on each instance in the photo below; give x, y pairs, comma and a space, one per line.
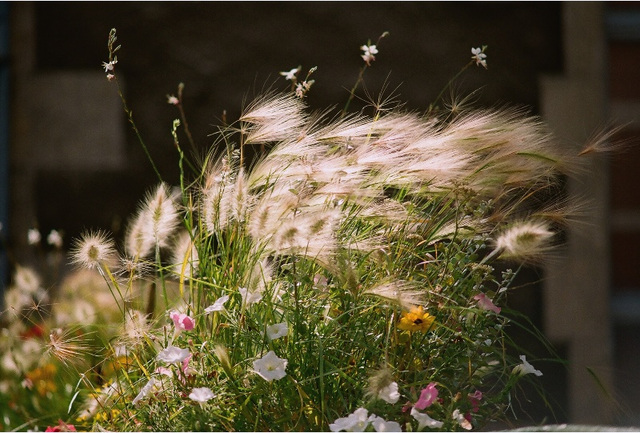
278, 330
369, 53
55, 238
525, 368
479, 56
109, 66
33, 236
145, 391
425, 420
173, 354
390, 393
172, 100
218, 305
270, 367
249, 298
201, 395
380, 424
110, 77
290, 75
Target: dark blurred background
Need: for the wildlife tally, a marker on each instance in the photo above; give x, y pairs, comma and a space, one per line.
71, 162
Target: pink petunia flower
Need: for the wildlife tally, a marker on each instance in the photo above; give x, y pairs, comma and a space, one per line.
181, 321
486, 303
427, 397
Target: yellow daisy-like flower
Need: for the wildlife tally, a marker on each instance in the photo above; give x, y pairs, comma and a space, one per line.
416, 320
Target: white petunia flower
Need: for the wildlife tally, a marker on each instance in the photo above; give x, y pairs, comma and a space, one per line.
173, 354
357, 421
145, 391
390, 393
201, 395
380, 424
525, 368
248, 297
278, 330
218, 305
270, 367
425, 420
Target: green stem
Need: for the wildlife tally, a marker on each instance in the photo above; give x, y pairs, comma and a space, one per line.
135, 129
455, 77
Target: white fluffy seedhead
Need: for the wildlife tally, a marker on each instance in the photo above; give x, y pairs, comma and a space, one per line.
525, 241
153, 225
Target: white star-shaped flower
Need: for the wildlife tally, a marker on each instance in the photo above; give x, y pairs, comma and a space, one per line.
369, 53
270, 367
108, 66
290, 75
479, 56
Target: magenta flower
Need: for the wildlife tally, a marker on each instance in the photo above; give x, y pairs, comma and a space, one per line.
475, 400
486, 304
181, 321
427, 397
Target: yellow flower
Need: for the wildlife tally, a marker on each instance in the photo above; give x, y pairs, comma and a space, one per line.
42, 379
416, 320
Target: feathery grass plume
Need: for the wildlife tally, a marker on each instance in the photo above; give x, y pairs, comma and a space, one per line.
525, 241
93, 250
405, 294
215, 206
184, 256
273, 118
155, 222
136, 328
311, 234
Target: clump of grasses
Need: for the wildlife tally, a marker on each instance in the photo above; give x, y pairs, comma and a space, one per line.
343, 280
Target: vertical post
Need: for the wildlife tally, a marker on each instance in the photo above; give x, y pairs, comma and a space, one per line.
4, 140
577, 287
